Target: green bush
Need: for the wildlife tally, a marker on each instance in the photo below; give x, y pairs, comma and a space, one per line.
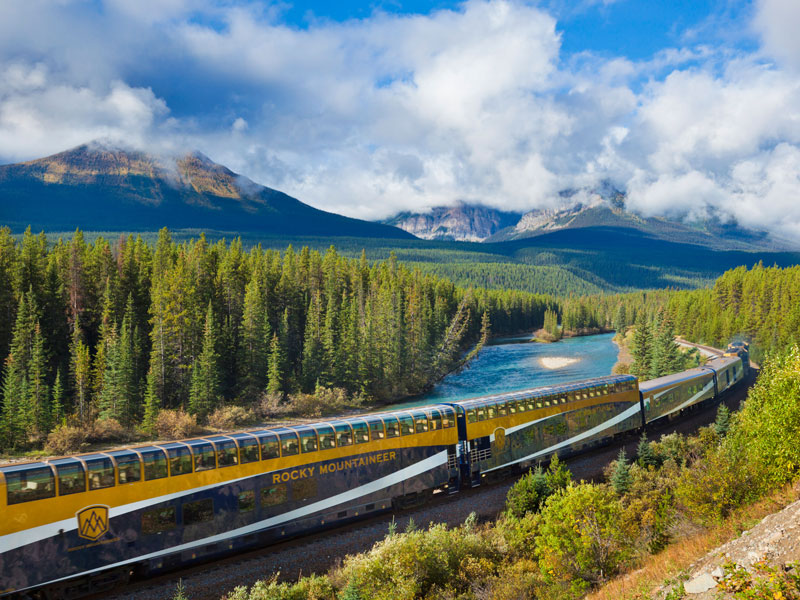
768, 424
529, 493
421, 563
583, 537
308, 588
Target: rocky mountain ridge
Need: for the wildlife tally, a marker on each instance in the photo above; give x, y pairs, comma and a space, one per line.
461, 222
99, 187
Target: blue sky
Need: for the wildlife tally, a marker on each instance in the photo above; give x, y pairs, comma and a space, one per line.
691, 107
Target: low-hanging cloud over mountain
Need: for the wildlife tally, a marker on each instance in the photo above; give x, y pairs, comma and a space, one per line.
403, 112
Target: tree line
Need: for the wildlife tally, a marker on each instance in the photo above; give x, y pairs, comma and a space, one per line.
127, 329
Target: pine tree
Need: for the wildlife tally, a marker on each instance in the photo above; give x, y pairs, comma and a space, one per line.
38, 388
723, 421
57, 403
645, 455
80, 370
621, 474
641, 347
152, 404
666, 354
255, 341
206, 376
313, 353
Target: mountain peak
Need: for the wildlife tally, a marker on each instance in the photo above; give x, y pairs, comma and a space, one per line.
461, 221
104, 186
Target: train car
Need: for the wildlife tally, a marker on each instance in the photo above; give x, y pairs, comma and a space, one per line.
742, 350
665, 397
80, 524
513, 431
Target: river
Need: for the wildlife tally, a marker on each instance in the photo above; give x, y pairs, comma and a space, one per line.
508, 365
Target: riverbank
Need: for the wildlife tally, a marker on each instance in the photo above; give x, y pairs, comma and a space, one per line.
624, 357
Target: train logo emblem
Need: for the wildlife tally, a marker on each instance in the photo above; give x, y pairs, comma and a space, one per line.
93, 522
500, 438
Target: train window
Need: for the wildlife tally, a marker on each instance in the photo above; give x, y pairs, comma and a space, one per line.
406, 424
204, 457
199, 511
31, 483
270, 448
289, 444
491, 411
392, 427
247, 501
159, 519
155, 464
435, 420
448, 418
326, 438
272, 496
308, 440
376, 431
472, 415
180, 460
481, 413
248, 450
530, 404
101, 473
563, 399
226, 453
360, 431
71, 478
421, 421
129, 469
512, 407
344, 435
304, 489
502, 409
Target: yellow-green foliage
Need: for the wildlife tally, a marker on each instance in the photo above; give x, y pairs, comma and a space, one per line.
768, 426
308, 588
437, 563
582, 537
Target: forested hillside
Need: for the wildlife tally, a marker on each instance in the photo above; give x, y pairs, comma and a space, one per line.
122, 331
760, 305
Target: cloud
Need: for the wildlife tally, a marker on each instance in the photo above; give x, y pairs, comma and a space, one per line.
403, 112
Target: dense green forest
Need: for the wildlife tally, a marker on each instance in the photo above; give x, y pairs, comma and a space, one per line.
579, 261
122, 331
760, 305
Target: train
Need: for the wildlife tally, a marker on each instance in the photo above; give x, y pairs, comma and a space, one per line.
83, 524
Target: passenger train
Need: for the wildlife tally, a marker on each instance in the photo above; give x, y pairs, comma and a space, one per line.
81, 524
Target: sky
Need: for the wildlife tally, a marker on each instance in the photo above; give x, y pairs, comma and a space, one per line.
692, 107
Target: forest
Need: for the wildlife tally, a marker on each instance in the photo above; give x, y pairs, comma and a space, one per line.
122, 331
760, 305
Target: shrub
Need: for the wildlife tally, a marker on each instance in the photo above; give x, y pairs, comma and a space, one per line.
768, 425
324, 401
528, 493
172, 424
108, 430
66, 439
230, 417
582, 538
421, 563
307, 588
620, 476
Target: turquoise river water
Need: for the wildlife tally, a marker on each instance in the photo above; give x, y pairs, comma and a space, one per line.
508, 365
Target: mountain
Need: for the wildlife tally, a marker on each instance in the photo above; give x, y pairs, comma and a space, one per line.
461, 222
100, 188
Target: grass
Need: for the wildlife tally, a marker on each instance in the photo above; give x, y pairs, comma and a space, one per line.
673, 564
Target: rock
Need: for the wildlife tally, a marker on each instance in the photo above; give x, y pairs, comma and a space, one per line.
701, 583
718, 574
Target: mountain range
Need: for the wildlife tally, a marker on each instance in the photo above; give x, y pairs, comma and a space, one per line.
585, 210
97, 187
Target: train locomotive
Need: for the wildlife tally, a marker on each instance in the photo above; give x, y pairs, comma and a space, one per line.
82, 524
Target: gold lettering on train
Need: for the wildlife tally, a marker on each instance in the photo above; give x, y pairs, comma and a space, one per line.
333, 467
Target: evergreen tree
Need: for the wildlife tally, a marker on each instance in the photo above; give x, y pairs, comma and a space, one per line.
206, 376
38, 388
57, 403
645, 455
621, 474
723, 421
80, 370
276, 360
255, 341
313, 352
666, 357
641, 347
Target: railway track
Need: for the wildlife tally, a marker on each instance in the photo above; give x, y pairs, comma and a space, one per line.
318, 552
